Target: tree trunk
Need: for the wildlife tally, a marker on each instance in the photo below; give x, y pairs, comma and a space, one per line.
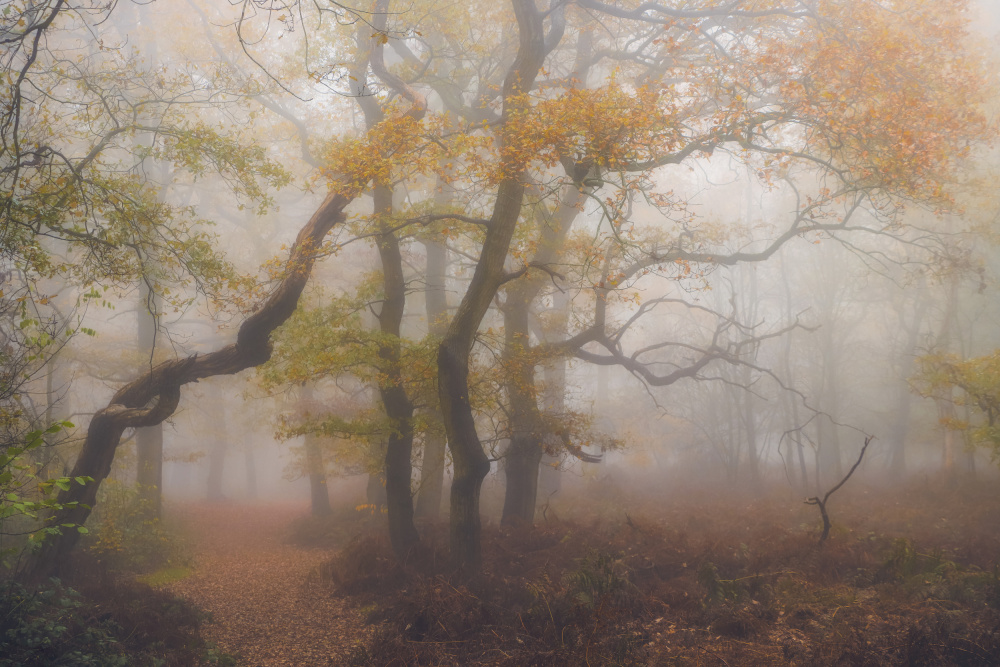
524, 454
396, 404
319, 494
521, 470
431, 475
554, 396
149, 473
432, 468
398, 408
471, 462
214, 491
828, 454
792, 400
523, 457
149, 440
251, 468
904, 396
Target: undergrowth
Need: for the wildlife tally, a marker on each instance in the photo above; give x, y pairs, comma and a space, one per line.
107, 611
701, 583
104, 623
125, 537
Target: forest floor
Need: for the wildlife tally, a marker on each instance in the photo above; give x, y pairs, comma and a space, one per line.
614, 574
681, 574
266, 603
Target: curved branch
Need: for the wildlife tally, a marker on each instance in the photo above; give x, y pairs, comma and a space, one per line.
153, 397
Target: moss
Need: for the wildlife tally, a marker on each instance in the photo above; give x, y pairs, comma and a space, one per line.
164, 576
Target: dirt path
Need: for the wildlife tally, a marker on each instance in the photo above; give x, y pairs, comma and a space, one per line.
267, 606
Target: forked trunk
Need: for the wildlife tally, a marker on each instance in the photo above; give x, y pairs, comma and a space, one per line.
471, 462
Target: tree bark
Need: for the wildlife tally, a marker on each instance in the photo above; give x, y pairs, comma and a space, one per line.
521, 468
149, 469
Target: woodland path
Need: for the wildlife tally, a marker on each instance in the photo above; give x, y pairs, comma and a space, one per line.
267, 605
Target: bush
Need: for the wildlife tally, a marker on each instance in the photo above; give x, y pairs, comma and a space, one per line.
48, 627
123, 535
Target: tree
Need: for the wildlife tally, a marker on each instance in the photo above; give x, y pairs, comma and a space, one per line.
849, 141
850, 110
978, 380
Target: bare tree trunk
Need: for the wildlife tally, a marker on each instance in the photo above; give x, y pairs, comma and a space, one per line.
945, 401
216, 471
828, 452
251, 468
432, 469
554, 396
149, 473
524, 454
946, 416
795, 432
904, 396
215, 490
319, 494
397, 405
521, 465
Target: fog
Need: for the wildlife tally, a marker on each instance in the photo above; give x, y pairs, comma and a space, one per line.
415, 294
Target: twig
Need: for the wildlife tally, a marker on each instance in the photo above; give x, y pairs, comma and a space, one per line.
822, 503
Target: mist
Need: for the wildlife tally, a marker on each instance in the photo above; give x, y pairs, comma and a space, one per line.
522, 333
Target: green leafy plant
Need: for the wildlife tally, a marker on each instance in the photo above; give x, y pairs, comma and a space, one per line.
601, 578
26, 498
126, 537
49, 627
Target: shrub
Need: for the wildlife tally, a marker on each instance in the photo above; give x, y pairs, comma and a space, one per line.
124, 536
48, 627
